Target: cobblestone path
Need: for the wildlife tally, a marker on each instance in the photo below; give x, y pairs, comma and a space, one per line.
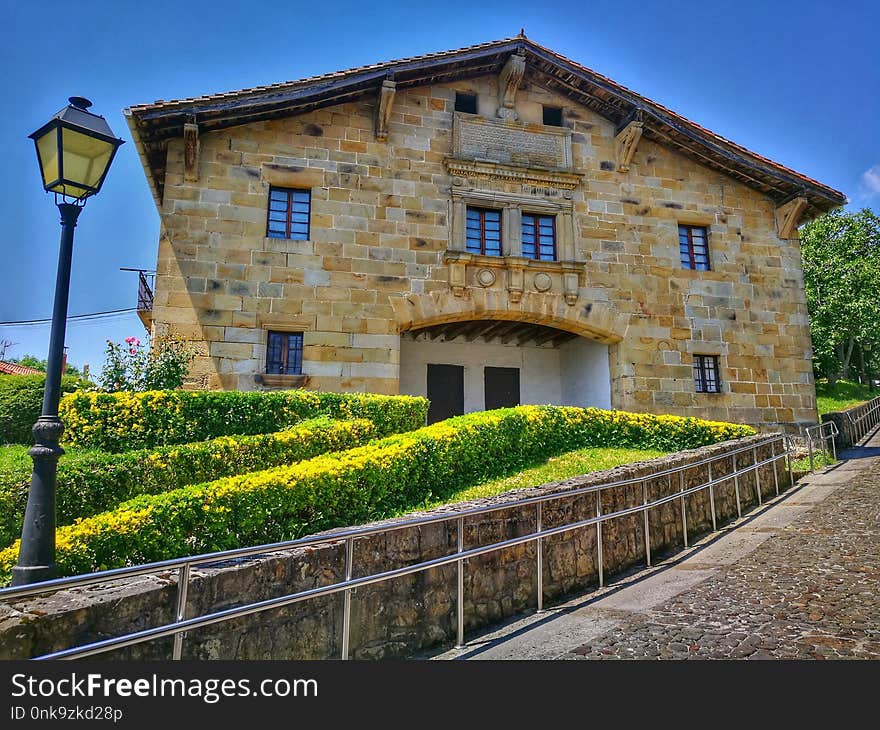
799, 579
810, 592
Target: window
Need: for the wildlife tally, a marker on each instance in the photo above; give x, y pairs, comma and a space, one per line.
284, 353
553, 116
694, 247
465, 102
539, 237
706, 374
484, 231
288, 213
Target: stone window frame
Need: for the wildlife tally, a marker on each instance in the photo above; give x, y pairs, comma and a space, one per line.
512, 207
700, 360
277, 380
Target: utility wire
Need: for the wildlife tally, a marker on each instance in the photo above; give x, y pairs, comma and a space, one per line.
73, 318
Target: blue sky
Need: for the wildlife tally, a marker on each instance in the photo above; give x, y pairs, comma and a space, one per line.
798, 82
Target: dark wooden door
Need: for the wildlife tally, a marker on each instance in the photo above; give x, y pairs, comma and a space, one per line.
445, 391
502, 387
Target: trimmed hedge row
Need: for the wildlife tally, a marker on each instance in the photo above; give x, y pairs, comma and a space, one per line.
355, 486
21, 401
122, 421
93, 483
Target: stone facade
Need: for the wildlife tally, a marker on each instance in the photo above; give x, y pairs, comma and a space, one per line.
408, 614
390, 177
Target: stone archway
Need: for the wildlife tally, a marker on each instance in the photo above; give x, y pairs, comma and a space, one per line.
461, 352
592, 320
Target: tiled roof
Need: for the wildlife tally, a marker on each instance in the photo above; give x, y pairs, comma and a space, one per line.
11, 368
153, 124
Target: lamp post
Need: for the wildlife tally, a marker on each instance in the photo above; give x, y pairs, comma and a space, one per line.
74, 149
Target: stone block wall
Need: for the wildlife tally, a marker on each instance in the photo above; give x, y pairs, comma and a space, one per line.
382, 226
406, 615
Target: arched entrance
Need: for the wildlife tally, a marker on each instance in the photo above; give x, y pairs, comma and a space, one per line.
481, 351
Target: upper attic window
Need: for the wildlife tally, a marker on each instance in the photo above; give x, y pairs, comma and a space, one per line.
553, 116
466, 103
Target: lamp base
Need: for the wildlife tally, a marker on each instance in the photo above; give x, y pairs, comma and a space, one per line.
25, 575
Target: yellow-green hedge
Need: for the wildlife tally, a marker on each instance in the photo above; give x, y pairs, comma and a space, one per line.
95, 482
123, 421
362, 484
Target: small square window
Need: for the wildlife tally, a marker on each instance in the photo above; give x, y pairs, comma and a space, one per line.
465, 102
284, 353
553, 116
539, 237
706, 376
693, 244
288, 215
483, 232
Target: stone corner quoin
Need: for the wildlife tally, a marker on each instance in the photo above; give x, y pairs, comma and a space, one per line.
389, 280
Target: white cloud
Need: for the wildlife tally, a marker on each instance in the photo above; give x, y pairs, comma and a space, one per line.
871, 180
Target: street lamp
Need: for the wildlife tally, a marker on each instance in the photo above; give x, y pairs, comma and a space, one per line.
74, 149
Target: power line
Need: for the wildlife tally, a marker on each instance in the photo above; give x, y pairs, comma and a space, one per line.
73, 318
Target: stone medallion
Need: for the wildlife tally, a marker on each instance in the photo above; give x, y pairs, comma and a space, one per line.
485, 277
542, 281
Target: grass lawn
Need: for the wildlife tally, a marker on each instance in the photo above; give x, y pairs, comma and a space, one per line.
844, 394
554, 469
14, 459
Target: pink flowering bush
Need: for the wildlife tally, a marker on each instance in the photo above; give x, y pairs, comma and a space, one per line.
134, 367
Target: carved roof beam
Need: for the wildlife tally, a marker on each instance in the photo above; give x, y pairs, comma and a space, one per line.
386, 103
191, 149
508, 84
625, 144
788, 216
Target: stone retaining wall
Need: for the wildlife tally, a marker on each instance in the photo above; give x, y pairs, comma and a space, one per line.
409, 614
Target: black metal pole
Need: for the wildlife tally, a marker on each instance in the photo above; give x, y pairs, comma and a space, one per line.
36, 557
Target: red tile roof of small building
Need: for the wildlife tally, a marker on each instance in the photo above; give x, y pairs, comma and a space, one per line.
11, 368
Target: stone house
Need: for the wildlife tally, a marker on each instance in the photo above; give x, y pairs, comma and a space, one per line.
486, 226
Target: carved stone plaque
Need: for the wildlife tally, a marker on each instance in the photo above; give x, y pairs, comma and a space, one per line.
512, 143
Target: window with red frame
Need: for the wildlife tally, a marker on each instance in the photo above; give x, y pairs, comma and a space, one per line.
706, 376
289, 213
694, 247
484, 231
539, 237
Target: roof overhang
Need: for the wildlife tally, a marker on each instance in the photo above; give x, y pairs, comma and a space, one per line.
152, 125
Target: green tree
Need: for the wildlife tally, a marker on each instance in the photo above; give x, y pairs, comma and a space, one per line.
841, 253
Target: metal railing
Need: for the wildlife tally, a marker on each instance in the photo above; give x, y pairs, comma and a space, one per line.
864, 424
184, 566
821, 434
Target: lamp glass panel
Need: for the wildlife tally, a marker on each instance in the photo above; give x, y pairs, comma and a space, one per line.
47, 148
85, 158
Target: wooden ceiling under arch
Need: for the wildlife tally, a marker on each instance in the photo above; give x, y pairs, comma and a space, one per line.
495, 331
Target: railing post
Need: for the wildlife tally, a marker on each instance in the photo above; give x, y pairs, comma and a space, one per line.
757, 475
182, 590
739, 512
684, 521
810, 450
833, 446
599, 538
775, 475
540, 558
711, 497
647, 526
346, 598
788, 445
459, 642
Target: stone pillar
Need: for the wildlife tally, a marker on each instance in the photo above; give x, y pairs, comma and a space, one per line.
511, 231
459, 223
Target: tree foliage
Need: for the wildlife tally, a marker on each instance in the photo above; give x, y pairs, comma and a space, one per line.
841, 253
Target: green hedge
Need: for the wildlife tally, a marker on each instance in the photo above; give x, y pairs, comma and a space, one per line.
93, 483
122, 421
21, 402
355, 486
